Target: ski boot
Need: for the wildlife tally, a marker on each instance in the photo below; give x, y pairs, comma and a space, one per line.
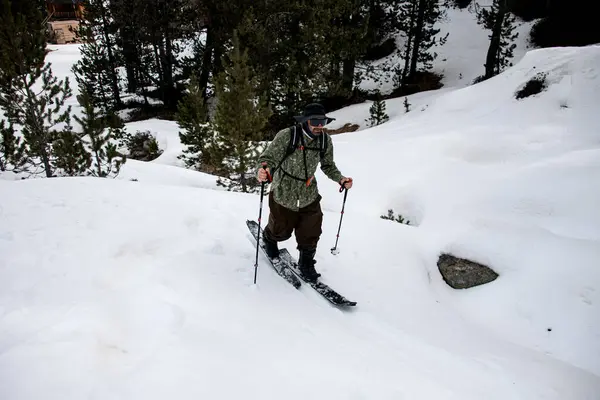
306, 265
270, 246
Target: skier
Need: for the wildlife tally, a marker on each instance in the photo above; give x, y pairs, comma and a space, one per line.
290, 162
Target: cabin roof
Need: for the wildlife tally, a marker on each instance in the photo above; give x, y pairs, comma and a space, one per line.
63, 1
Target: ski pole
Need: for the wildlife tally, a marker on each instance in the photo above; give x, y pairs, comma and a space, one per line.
334, 250
262, 192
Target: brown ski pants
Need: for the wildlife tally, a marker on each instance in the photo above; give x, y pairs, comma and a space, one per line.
306, 222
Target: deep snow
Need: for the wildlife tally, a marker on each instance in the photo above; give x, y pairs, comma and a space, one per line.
115, 289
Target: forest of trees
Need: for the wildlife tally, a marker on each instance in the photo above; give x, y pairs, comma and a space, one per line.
231, 73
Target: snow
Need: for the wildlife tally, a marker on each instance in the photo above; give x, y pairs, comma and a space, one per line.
465, 42
122, 289
462, 58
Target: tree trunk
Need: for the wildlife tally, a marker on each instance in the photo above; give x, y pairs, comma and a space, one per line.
418, 35
123, 12
407, 54
493, 50
157, 57
111, 59
218, 62
206, 62
46, 161
168, 60
348, 75
131, 60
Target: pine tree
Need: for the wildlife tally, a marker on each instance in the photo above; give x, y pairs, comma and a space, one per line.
429, 12
290, 52
501, 23
31, 97
346, 39
12, 149
127, 21
417, 20
377, 112
240, 116
71, 155
100, 132
98, 68
196, 131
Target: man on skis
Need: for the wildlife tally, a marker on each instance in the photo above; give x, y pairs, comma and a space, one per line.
290, 162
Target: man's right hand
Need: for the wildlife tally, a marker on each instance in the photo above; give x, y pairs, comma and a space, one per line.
263, 174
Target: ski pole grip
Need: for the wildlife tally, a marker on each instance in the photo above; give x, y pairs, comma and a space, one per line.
269, 177
342, 186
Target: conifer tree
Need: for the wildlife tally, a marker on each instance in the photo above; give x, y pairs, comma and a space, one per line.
417, 20
196, 131
378, 112
31, 97
501, 24
71, 155
100, 132
240, 115
12, 149
429, 12
291, 53
98, 67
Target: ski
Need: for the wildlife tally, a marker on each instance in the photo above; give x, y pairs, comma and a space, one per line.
279, 265
287, 267
324, 290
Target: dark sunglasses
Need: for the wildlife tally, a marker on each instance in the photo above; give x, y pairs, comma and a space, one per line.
318, 121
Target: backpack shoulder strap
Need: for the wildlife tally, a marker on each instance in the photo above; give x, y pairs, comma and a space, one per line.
292, 145
294, 139
324, 144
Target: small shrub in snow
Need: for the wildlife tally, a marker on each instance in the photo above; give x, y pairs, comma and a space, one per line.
399, 218
479, 79
142, 146
377, 111
534, 86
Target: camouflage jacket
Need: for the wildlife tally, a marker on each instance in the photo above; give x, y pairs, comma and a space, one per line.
287, 191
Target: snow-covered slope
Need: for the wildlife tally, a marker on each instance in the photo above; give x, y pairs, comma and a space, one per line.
509, 182
113, 289
128, 290
462, 58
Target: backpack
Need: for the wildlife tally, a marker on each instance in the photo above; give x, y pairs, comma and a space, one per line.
296, 138
297, 142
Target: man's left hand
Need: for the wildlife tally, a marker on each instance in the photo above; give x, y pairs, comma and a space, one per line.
346, 183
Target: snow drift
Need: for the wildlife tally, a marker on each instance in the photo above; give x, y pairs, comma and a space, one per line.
510, 183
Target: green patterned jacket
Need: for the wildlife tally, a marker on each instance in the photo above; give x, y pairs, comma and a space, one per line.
287, 191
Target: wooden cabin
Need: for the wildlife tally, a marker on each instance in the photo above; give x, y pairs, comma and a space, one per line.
63, 17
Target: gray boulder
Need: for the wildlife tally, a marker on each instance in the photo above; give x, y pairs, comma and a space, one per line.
460, 273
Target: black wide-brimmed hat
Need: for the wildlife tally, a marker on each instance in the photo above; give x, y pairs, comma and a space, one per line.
313, 110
